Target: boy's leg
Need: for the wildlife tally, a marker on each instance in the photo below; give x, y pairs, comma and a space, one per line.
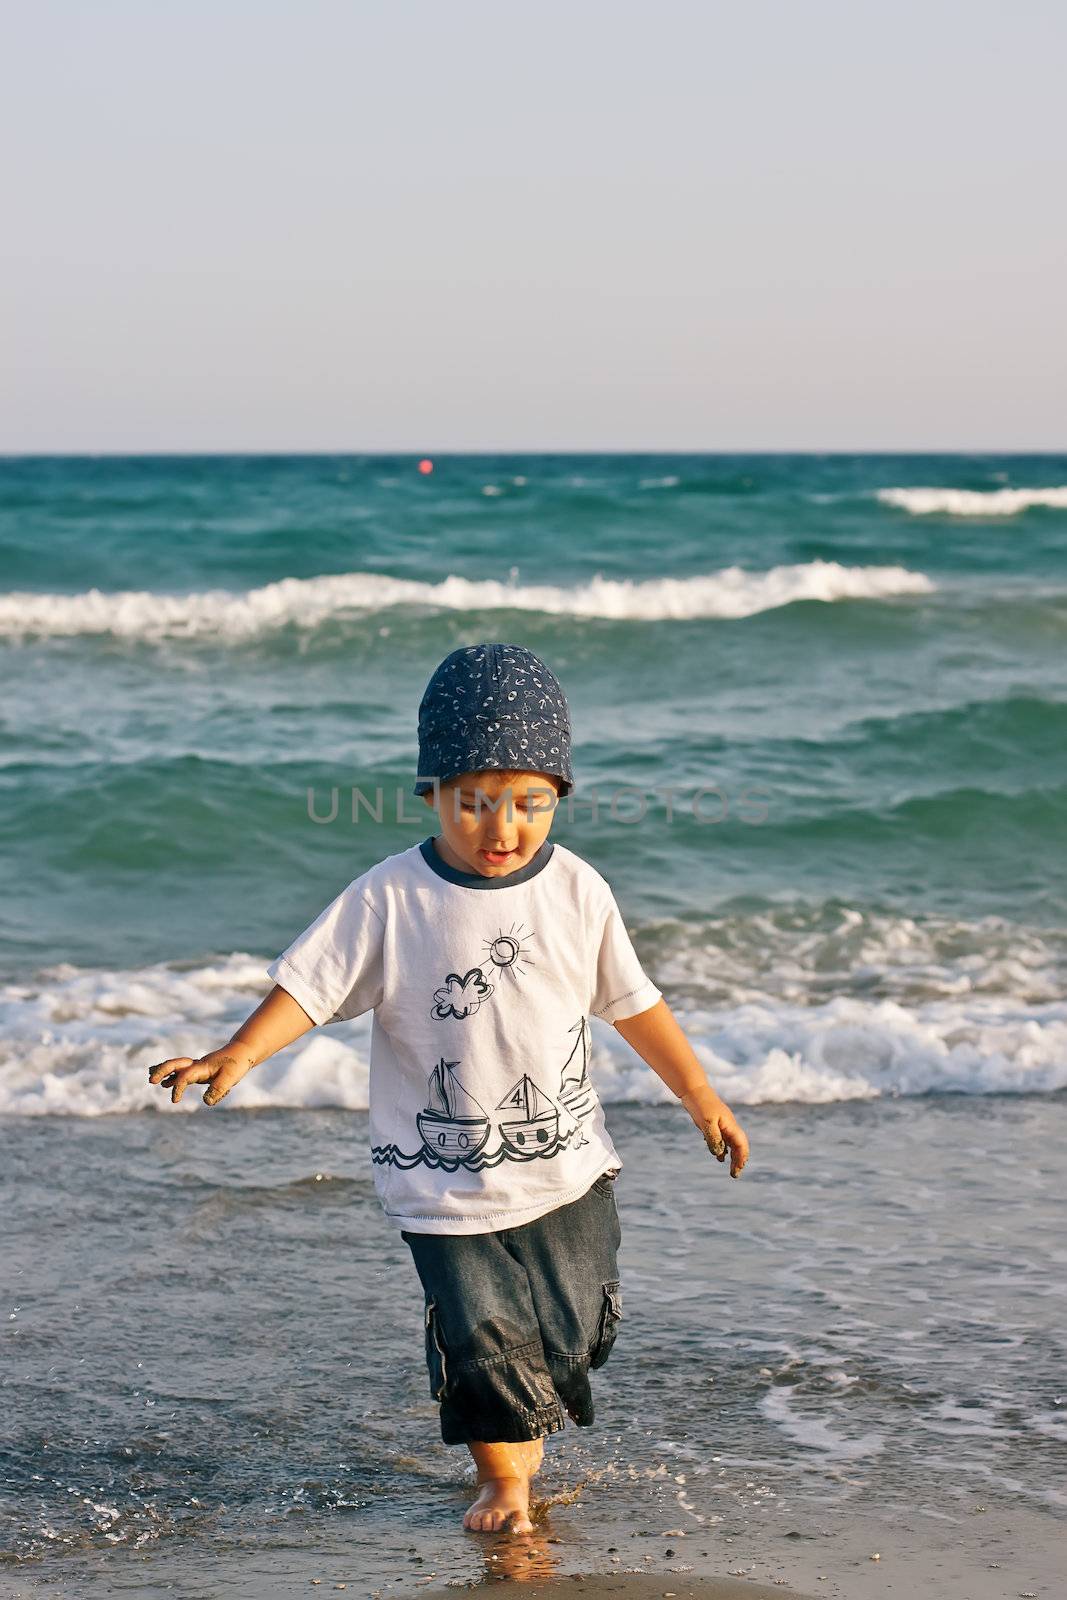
571, 1260
487, 1367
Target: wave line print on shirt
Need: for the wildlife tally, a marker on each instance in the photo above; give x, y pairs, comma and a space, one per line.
461, 994
455, 1127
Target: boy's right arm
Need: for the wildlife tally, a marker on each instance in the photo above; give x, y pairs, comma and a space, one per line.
273, 1025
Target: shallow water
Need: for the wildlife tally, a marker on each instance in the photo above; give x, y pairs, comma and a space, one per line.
214, 1343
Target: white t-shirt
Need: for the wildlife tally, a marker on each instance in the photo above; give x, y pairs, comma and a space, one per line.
482, 1112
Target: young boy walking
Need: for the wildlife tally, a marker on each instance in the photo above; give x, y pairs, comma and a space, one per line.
482, 952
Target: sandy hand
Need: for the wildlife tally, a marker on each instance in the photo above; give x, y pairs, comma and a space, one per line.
716, 1144
722, 1132
219, 1069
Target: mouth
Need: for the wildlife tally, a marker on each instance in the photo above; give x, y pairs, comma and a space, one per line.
496, 857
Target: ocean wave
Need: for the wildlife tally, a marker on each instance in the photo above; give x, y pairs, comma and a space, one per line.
80, 1041
973, 502
309, 602
804, 956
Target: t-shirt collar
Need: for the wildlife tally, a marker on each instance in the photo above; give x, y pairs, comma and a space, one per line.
474, 880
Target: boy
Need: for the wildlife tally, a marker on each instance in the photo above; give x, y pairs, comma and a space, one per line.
482, 952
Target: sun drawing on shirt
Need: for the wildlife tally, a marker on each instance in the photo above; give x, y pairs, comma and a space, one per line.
508, 952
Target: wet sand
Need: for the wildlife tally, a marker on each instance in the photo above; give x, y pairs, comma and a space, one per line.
989, 1553
641, 1586
994, 1553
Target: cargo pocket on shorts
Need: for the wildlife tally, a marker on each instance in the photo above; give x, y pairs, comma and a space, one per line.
610, 1317
435, 1353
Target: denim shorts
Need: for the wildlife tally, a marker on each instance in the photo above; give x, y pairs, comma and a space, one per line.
515, 1320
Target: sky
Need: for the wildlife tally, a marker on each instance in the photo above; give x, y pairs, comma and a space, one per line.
479, 225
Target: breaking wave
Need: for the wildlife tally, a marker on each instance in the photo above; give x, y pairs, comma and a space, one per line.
973, 502
865, 1008
309, 602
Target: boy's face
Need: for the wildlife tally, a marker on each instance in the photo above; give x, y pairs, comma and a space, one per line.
492, 824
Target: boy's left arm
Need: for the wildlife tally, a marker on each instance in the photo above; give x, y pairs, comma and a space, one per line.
657, 1037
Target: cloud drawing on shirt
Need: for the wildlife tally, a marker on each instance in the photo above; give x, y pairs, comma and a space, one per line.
460, 996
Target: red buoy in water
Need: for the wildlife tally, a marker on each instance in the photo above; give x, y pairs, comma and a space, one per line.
426, 465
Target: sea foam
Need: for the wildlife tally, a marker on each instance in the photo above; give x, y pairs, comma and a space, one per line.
973, 502
80, 1041
309, 602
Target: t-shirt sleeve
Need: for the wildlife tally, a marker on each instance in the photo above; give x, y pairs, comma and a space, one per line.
622, 988
334, 969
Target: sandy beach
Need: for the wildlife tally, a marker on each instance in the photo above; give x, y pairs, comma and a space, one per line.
987, 1555
642, 1586
988, 1552
998, 1556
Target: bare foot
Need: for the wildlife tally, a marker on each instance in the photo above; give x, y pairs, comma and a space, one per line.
500, 1501
504, 1473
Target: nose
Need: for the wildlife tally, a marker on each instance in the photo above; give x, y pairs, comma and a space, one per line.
497, 839
497, 830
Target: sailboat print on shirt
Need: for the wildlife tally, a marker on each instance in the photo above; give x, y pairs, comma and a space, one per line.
453, 1124
531, 1121
538, 1122
576, 1092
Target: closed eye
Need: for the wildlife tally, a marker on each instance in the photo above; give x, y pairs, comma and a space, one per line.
530, 809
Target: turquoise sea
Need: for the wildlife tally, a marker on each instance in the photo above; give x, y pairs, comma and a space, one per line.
819, 707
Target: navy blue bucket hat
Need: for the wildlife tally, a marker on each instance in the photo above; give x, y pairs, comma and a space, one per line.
493, 706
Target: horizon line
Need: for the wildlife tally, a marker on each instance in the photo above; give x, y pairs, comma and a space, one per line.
429, 453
